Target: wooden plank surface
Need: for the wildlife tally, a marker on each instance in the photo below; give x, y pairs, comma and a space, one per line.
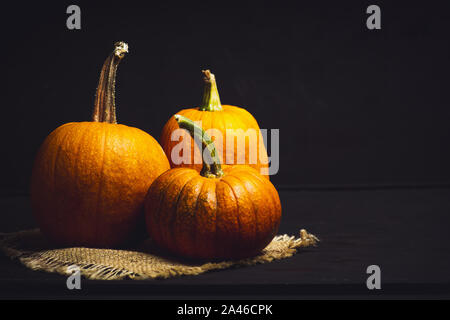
404, 231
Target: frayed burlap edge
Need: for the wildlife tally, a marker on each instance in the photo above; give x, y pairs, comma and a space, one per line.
110, 264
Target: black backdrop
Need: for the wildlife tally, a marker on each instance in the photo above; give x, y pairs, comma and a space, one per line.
354, 106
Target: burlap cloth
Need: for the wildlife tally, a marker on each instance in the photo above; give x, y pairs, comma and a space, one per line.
145, 262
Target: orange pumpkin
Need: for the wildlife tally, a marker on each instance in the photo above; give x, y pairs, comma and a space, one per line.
90, 179
215, 116
217, 214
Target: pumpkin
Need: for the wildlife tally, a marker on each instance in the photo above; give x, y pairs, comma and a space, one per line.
221, 213
90, 179
218, 118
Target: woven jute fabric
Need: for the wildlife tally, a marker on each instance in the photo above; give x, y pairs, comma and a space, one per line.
144, 262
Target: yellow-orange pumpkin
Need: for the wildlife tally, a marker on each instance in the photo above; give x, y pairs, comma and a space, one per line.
217, 214
90, 179
214, 115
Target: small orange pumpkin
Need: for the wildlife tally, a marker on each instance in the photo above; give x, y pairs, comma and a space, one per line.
90, 179
214, 115
217, 214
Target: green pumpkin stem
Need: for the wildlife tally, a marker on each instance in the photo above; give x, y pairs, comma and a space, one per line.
105, 104
211, 167
211, 99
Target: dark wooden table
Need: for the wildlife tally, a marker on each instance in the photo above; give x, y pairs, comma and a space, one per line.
403, 230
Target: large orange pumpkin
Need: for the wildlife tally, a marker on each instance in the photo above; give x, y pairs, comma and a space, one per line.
217, 214
90, 179
214, 115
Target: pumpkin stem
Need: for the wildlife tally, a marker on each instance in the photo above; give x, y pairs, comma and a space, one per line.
211, 99
211, 167
105, 104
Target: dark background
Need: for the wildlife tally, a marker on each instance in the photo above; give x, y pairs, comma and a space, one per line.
363, 118
355, 107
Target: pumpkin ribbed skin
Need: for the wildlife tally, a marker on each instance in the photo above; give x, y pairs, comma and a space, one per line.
230, 117
230, 217
89, 182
